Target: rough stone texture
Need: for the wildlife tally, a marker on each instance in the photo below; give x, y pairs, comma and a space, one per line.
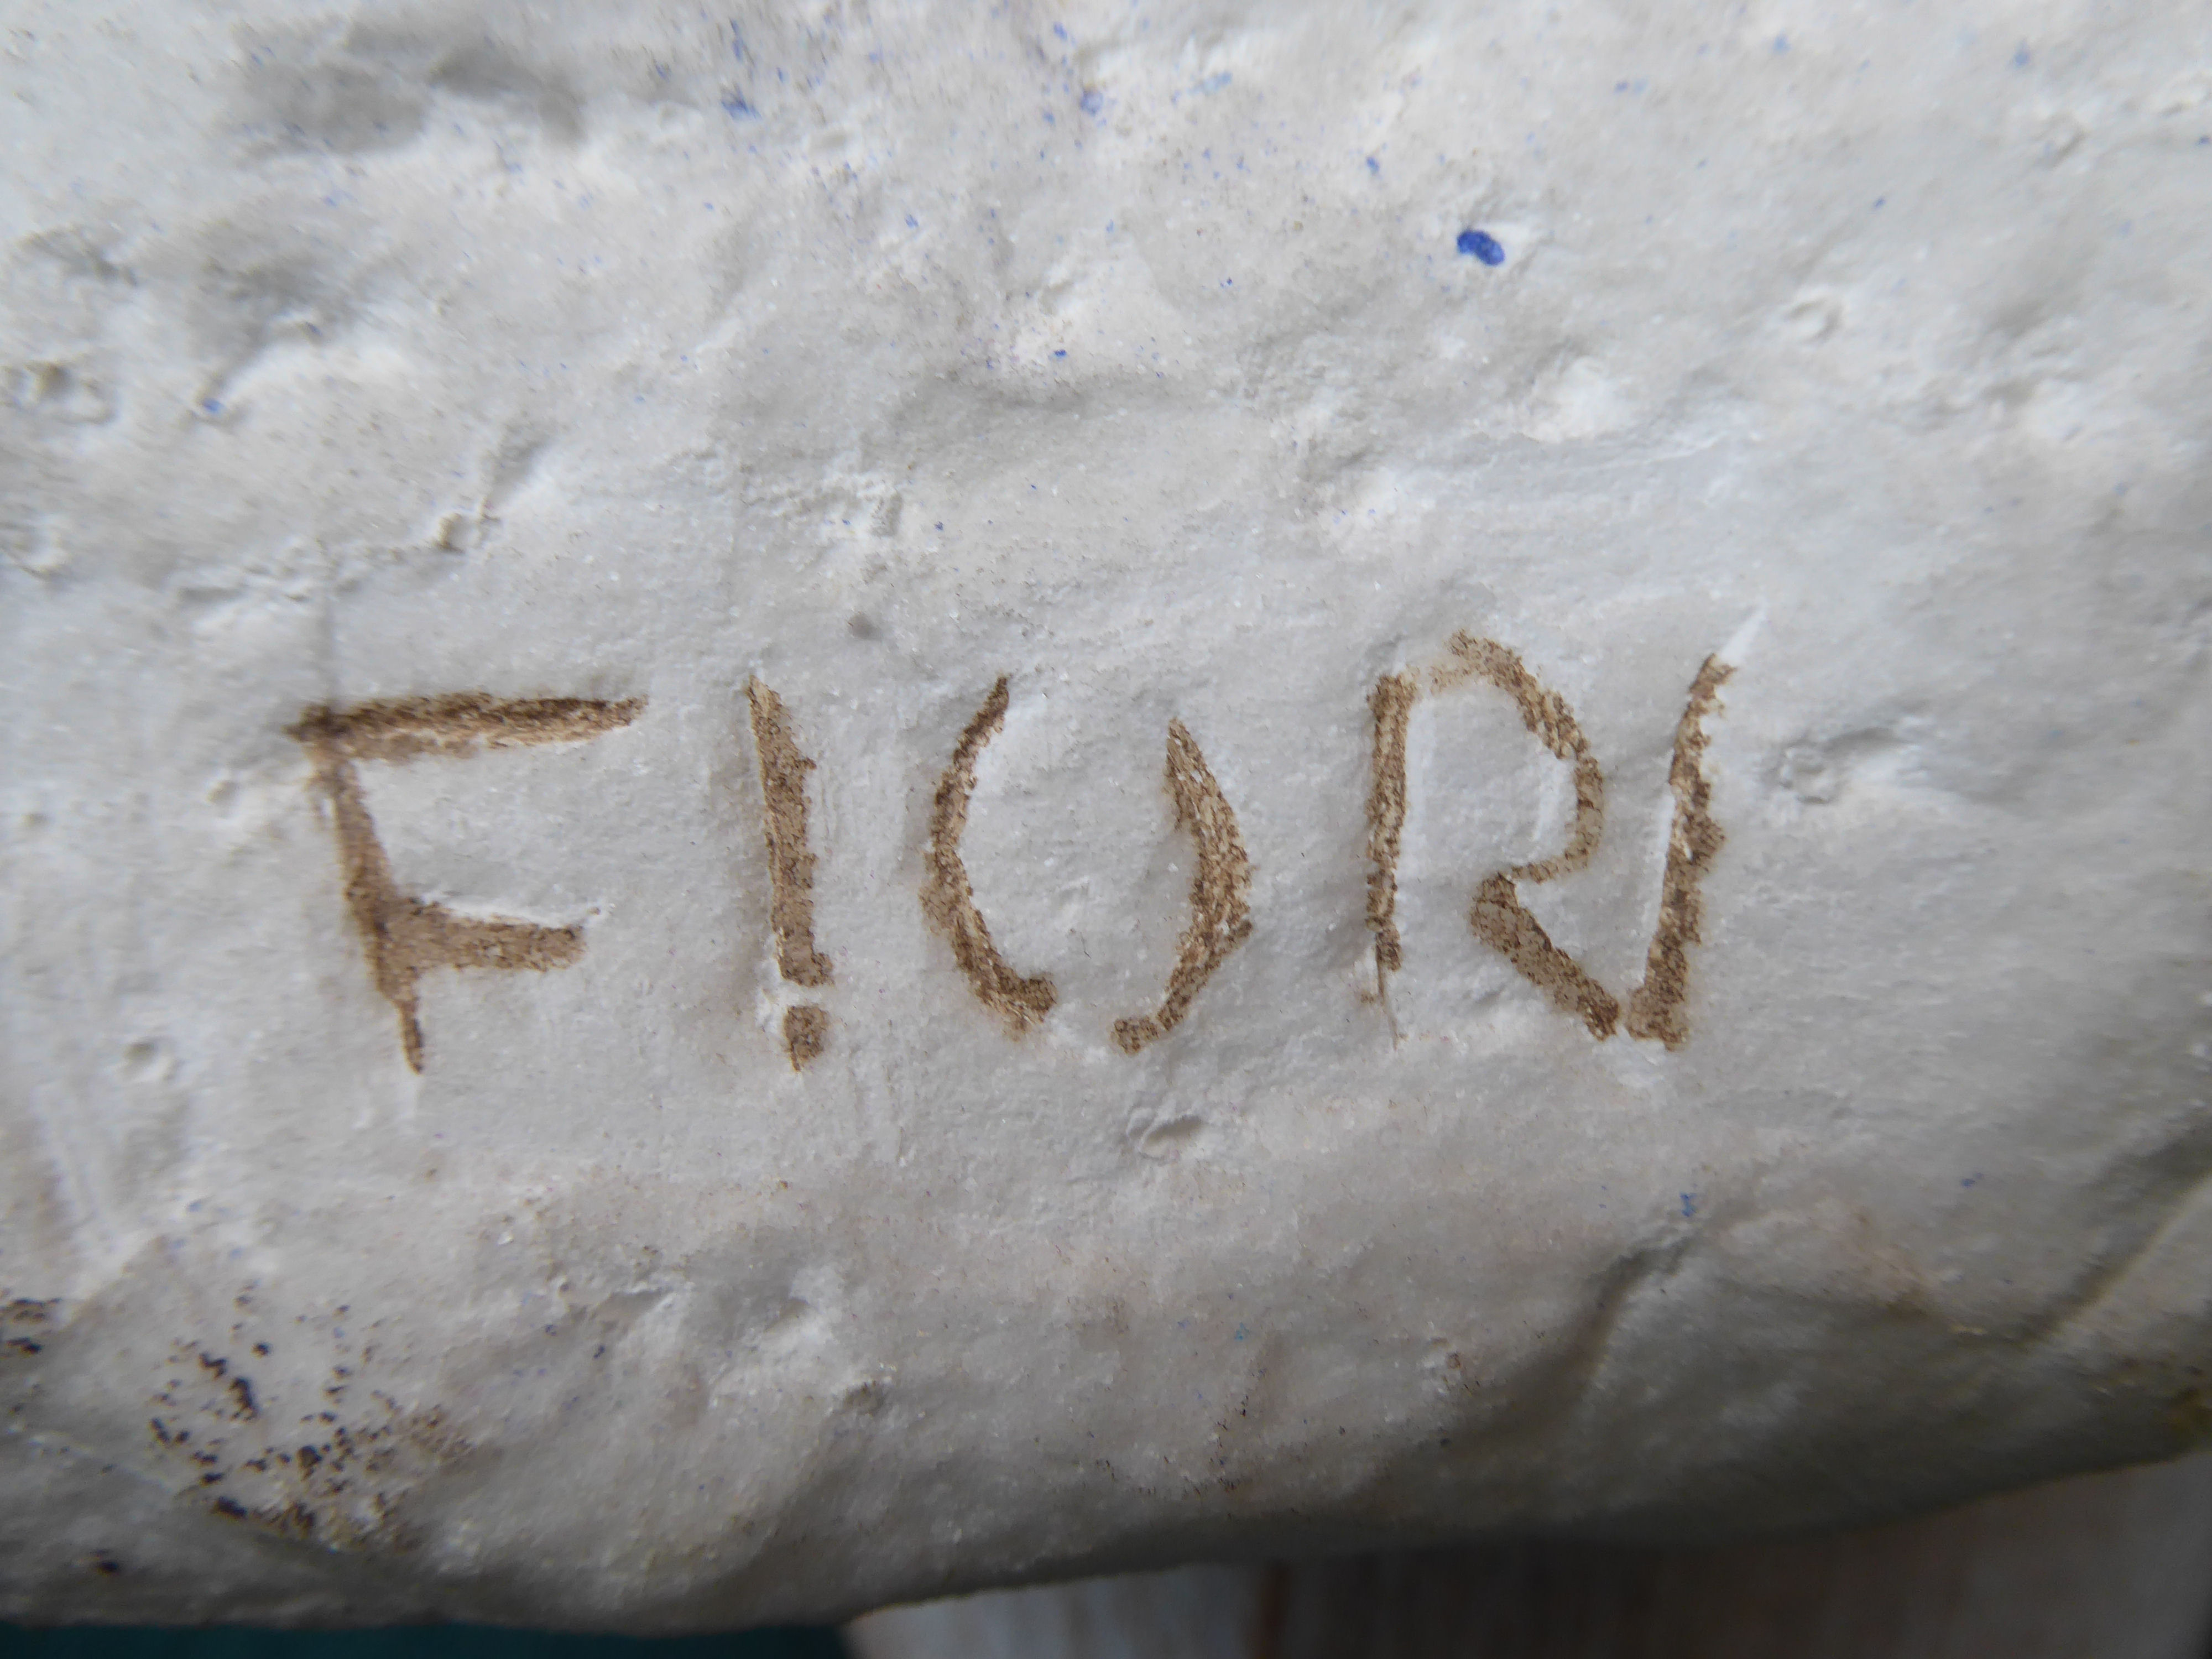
640, 643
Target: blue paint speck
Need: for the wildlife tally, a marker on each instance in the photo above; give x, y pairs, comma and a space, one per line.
738, 109
1689, 1204
1242, 1333
1879, 200
1482, 245
212, 405
1970, 1181
1093, 100
912, 223
2022, 56
1228, 282
1781, 43
1374, 166
1063, 352
1214, 82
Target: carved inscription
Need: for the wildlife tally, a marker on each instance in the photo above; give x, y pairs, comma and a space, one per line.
1499, 919
1654, 1008
948, 899
1220, 890
1498, 915
1392, 706
805, 1033
403, 936
783, 772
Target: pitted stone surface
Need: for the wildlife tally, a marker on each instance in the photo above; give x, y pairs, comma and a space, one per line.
612, 1017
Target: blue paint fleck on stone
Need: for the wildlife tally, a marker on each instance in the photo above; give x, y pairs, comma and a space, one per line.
1482, 245
1781, 43
1063, 352
1374, 166
1689, 1204
1061, 29
738, 109
1093, 100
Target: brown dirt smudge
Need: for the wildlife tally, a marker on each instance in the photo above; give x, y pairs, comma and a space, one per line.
307, 1476
20, 1314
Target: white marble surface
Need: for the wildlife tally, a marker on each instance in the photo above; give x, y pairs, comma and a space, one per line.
728, 402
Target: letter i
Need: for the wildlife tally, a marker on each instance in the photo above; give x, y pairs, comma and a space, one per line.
783, 772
